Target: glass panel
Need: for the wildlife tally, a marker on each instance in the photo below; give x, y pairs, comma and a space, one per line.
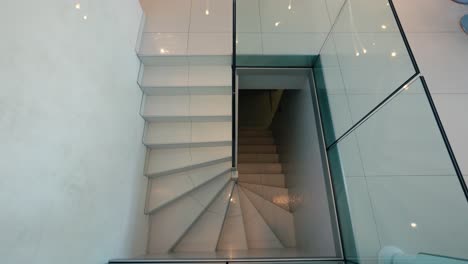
364, 58
395, 183
282, 33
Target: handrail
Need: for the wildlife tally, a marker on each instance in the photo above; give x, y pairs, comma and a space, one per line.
445, 138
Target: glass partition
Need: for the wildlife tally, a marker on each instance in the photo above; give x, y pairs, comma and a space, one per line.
282, 33
364, 60
396, 184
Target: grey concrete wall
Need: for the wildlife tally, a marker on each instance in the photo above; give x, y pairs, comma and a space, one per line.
71, 158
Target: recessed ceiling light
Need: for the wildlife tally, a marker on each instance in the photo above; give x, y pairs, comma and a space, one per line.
383, 27
85, 17
77, 5
277, 23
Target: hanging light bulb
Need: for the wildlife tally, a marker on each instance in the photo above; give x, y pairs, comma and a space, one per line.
289, 6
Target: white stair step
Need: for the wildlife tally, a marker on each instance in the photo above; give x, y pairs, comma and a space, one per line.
279, 220
233, 236
187, 107
185, 79
181, 60
276, 180
259, 235
187, 134
168, 161
203, 235
165, 189
168, 225
275, 195
167, 45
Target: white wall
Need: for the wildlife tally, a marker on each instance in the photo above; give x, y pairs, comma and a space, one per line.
71, 158
295, 131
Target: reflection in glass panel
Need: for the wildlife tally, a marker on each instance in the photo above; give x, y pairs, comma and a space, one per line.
395, 179
282, 32
364, 58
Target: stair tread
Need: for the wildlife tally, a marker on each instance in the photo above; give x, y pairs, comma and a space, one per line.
257, 157
166, 189
188, 133
203, 235
191, 105
233, 235
259, 234
277, 180
257, 149
186, 76
279, 196
265, 167
173, 160
169, 224
279, 220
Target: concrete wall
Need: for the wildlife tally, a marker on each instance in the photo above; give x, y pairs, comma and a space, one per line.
71, 158
295, 130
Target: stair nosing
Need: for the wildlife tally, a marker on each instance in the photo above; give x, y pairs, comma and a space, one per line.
167, 203
181, 118
190, 167
225, 215
188, 144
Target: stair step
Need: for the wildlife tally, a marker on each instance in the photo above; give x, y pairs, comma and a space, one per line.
169, 161
187, 134
203, 235
279, 220
165, 189
182, 60
258, 233
276, 195
256, 140
186, 48
258, 158
169, 224
262, 168
254, 133
185, 79
258, 149
187, 107
233, 235
275, 180
184, 90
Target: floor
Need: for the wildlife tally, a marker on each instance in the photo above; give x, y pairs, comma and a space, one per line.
441, 50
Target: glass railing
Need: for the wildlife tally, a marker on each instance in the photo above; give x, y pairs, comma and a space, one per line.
363, 61
396, 181
282, 33
396, 184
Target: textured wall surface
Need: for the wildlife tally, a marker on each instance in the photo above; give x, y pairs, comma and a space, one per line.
71, 158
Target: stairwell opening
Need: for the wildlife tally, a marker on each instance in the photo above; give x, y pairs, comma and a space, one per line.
282, 166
